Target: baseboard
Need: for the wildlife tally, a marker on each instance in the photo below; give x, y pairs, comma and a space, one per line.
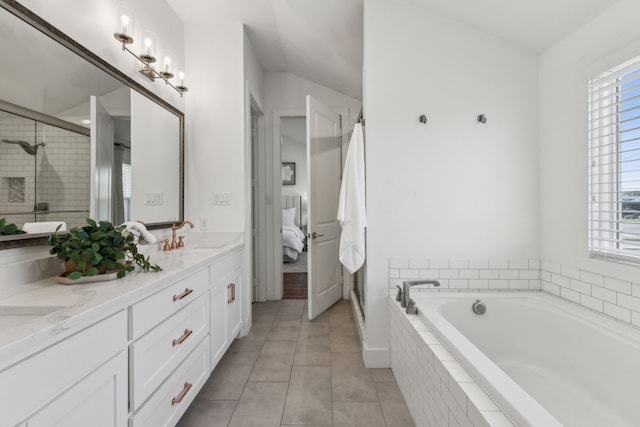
373, 357
376, 357
246, 327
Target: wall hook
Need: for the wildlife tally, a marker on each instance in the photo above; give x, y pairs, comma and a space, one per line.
422, 119
482, 119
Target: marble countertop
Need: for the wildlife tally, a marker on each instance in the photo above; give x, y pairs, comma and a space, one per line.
73, 307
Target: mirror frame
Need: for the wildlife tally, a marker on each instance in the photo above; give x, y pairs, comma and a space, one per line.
34, 20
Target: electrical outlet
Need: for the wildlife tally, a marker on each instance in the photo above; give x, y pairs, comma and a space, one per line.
204, 223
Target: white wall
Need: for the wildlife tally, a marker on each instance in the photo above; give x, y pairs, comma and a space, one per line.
567, 271
609, 40
253, 72
93, 23
452, 188
215, 125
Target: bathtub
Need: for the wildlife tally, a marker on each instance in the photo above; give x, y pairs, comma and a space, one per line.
544, 361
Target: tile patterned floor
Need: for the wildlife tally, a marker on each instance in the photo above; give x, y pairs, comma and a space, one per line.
290, 371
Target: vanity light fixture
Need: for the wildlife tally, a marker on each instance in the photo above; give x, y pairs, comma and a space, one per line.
147, 57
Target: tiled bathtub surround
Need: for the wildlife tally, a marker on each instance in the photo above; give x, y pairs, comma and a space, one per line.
617, 298
612, 296
467, 274
437, 389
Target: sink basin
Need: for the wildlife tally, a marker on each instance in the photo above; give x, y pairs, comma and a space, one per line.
12, 316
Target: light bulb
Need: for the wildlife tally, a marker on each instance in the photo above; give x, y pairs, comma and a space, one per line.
124, 24
147, 45
181, 78
167, 64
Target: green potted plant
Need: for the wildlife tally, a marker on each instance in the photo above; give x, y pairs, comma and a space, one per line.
9, 229
96, 248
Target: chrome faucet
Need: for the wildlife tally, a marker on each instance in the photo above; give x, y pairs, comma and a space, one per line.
174, 243
408, 284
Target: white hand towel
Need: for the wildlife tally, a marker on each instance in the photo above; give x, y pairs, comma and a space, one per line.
351, 206
44, 227
139, 232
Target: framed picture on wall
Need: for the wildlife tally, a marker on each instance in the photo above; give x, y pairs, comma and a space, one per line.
288, 173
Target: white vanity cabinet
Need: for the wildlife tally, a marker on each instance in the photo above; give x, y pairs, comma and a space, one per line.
136, 361
226, 315
79, 381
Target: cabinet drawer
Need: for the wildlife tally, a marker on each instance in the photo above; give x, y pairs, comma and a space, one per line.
225, 266
38, 379
159, 352
147, 313
174, 396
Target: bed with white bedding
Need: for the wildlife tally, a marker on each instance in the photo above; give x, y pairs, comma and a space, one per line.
292, 236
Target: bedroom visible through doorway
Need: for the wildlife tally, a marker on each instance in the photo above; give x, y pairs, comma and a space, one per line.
293, 154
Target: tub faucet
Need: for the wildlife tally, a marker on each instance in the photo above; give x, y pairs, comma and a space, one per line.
408, 284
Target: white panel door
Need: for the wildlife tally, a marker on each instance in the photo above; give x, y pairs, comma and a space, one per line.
324, 137
102, 138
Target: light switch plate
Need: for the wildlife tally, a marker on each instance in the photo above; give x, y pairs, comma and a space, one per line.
153, 199
222, 199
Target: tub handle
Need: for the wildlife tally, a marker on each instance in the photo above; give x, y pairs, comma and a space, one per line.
399, 294
411, 307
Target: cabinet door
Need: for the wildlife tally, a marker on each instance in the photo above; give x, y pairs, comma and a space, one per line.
218, 327
98, 400
234, 301
37, 380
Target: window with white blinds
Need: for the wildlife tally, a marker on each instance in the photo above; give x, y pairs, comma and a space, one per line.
614, 162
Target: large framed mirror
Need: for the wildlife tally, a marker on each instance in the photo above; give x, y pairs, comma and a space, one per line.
78, 138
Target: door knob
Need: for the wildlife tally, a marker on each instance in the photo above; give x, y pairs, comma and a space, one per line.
314, 235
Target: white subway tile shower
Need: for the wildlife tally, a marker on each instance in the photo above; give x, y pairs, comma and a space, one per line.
467, 274
58, 174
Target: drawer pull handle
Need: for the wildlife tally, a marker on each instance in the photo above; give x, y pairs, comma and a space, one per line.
183, 393
186, 292
233, 292
180, 340
229, 293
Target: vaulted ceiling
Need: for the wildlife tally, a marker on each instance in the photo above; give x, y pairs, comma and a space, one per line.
321, 40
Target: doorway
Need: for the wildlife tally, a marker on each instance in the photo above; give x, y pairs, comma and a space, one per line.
272, 240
